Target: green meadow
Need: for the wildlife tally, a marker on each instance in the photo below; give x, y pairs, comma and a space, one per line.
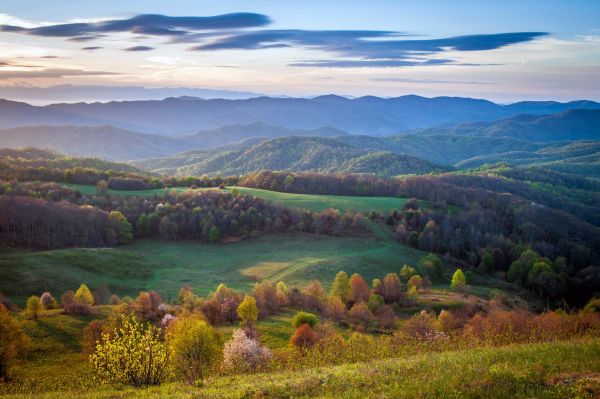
166, 266
318, 203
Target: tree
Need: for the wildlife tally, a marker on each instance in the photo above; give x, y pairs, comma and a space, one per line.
101, 187
213, 234
361, 317
336, 309
304, 337
415, 281
194, 346
459, 281
33, 307
406, 272
487, 262
245, 354
305, 318
340, 287
84, 295
359, 289
47, 300
121, 226
315, 296
133, 355
375, 301
391, 288
13, 342
248, 311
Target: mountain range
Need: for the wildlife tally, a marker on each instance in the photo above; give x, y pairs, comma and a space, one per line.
562, 141
364, 115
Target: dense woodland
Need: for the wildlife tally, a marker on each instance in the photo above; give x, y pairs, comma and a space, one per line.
534, 227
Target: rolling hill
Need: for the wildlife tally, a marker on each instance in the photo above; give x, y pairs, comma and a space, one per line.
294, 153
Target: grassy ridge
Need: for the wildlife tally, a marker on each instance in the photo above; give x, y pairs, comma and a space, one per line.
555, 370
318, 203
166, 266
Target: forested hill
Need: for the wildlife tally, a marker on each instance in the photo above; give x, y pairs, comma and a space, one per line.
290, 153
575, 124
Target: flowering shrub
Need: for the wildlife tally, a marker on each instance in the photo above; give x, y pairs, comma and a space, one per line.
244, 354
134, 355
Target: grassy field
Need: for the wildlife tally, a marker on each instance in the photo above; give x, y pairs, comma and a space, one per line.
315, 203
166, 266
91, 190
318, 203
554, 370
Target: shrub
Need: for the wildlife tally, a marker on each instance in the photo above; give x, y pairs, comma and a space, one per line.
386, 317
448, 321
93, 335
305, 318
361, 317
245, 354
71, 306
248, 311
47, 300
134, 355
304, 337
421, 326
33, 307
593, 306
194, 346
83, 295
13, 342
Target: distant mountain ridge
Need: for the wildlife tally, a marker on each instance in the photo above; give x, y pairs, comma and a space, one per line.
117, 144
364, 115
574, 124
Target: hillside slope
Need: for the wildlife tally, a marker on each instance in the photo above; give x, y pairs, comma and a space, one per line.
294, 153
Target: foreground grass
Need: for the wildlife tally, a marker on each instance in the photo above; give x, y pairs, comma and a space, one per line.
166, 266
555, 370
318, 203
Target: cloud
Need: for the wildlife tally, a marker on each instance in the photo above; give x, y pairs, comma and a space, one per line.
139, 48
432, 81
371, 63
51, 73
91, 48
243, 31
146, 24
367, 48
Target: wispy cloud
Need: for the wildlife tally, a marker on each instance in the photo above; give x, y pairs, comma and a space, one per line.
139, 48
146, 24
431, 81
51, 73
243, 31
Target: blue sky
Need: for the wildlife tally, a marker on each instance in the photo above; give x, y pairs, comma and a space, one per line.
501, 50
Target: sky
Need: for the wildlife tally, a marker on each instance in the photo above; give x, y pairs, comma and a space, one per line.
504, 51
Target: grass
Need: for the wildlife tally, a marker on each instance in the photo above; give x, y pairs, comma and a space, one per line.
318, 203
312, 202
166, 266
91, 190
554, 370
